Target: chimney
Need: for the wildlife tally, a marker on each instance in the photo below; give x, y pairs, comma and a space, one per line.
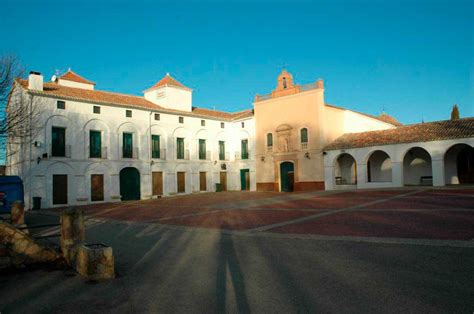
35, 81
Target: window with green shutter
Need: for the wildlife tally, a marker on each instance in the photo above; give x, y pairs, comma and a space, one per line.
304, 135
58, 142
179, 148
95, 144
221, 150
269, 140
155, 146
127, 147
245, 149
202, 149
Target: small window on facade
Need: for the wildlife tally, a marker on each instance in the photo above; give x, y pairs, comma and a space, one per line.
243, 125
157, 116
222, 125
181, 120
269, 140
128, 113
284, 83
61, 104
96, 109
203, 122
304, 135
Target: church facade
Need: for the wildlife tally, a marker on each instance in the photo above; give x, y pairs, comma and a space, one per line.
91, 146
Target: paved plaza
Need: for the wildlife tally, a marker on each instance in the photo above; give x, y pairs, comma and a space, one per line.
395, 250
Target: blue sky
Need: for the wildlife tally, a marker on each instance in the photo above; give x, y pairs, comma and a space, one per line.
414, 59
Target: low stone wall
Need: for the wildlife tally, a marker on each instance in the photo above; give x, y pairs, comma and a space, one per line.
18, 248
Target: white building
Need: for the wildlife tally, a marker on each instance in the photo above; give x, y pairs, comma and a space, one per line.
434, 153
96, 146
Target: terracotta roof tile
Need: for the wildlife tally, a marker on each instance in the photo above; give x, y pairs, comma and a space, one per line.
167, 81
422, 132
71, 76
103, 97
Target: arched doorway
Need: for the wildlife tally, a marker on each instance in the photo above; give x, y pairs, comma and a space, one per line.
287, 175
459, 164
130, 184
379, 167
417, 168
345, 170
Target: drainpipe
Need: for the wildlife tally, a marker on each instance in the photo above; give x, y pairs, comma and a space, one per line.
30, 197
149, 149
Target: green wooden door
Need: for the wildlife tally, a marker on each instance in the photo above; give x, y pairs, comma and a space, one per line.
129, 184
244, 179
287, 176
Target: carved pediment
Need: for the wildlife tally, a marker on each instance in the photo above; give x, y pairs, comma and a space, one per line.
284, 138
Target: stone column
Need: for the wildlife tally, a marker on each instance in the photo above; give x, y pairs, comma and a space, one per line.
18, 213
397, 174
72, 232
438, 172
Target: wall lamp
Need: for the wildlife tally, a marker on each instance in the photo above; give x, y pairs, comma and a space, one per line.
307, 155
262, 158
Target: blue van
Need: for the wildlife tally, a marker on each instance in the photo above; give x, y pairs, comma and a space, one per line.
11, 189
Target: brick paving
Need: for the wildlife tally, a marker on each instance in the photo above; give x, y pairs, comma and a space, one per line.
397, 213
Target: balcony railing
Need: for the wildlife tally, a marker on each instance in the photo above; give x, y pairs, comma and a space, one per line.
102, 153
269, 149
304, 145
240, 156
55, 152
162, 154
184, 156
263, 97
223, 157
134, 154
310, 86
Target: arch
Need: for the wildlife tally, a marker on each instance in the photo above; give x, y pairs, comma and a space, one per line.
345, 170
96, 125
243, 134
459, 164
202, 134
287, 176
128, 127
417, 168
181, 132
90, 124
129, 183
379, 167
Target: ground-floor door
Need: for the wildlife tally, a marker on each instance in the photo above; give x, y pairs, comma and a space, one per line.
244, 179
181, 182
202, 181
287, 175
223, 180
157, 182
59, 189
130, 184
97, 187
